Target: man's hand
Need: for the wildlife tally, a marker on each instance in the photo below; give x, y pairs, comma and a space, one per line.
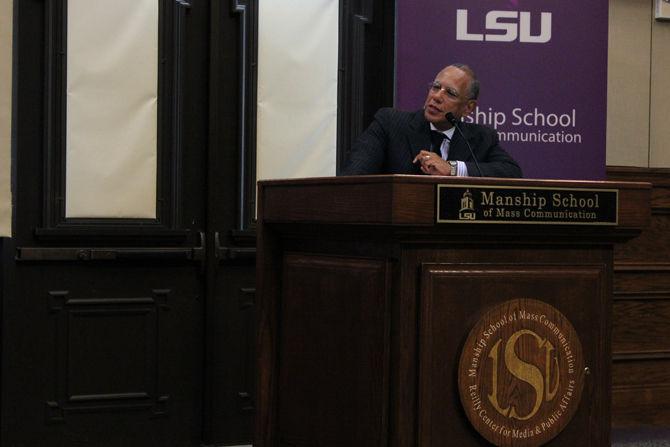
432, 164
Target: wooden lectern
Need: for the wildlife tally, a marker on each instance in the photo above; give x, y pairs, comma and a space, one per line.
365, 302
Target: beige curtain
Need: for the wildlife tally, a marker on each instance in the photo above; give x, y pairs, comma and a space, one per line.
297, 88
112, 85
6, 16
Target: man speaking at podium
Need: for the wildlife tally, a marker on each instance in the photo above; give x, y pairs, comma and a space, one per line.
434, 140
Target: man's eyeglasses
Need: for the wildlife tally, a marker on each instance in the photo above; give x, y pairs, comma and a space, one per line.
435, 87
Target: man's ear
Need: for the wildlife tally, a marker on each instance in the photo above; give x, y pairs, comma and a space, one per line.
470, 106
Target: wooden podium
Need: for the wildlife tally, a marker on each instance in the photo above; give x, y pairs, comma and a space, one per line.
365, 302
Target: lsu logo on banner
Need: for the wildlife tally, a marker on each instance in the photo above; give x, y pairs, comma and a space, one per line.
515, 25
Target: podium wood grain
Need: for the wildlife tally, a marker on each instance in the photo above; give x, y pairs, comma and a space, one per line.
342, 342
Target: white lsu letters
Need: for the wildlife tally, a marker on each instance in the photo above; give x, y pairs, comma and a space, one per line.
516, 26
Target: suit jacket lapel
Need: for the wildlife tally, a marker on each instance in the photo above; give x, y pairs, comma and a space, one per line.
419, 138
458, 149
419, 134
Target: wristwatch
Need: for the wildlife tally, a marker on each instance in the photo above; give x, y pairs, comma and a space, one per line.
454, 167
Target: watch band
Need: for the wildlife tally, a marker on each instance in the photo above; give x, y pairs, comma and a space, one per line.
454, 167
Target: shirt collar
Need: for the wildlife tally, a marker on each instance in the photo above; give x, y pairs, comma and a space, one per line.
447, 133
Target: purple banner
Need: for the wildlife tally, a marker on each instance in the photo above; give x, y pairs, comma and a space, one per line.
542, 66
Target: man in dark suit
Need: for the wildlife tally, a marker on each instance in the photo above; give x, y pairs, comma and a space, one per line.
426, 142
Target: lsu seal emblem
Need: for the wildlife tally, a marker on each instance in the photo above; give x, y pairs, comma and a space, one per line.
467, 211
521, 373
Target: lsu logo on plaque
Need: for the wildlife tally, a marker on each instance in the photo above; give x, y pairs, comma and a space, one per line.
521, 373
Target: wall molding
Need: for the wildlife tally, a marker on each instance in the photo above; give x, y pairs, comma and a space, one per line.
642, 295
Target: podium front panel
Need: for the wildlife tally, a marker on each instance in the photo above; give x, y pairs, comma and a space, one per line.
462, 292
365, 302
334, 351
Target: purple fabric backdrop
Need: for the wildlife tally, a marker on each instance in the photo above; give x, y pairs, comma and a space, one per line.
547, 100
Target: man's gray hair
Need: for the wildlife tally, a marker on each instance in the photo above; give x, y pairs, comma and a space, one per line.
473, 91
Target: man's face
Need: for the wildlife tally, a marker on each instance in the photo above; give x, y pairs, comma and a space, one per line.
448, 94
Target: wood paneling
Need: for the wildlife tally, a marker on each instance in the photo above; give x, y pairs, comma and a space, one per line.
640, 406
641, 325
641, 278
641, 316
335, 314
396, 199
308, 274
627, 371
462, 291
644, 249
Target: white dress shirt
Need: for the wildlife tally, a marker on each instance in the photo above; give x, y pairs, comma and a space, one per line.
461, 169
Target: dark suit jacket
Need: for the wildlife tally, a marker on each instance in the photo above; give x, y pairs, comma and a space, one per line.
394, 138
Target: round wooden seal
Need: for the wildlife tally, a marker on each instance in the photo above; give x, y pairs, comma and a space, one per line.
521, 373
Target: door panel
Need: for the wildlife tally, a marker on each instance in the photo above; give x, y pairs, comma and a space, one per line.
141, 332
100, 347
230, 333
231, 369
103, 319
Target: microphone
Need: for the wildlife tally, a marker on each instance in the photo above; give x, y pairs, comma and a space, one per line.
454, 121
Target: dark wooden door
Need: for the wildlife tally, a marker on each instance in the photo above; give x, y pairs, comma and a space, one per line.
230, 318
141, 332
103, 324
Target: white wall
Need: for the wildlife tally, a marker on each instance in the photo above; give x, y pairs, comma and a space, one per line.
638, 92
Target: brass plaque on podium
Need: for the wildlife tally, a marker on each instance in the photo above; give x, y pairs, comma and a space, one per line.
526, 205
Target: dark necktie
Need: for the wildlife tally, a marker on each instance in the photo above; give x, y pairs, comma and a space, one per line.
436, 139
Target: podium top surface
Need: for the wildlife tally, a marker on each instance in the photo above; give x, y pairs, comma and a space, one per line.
412, 199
